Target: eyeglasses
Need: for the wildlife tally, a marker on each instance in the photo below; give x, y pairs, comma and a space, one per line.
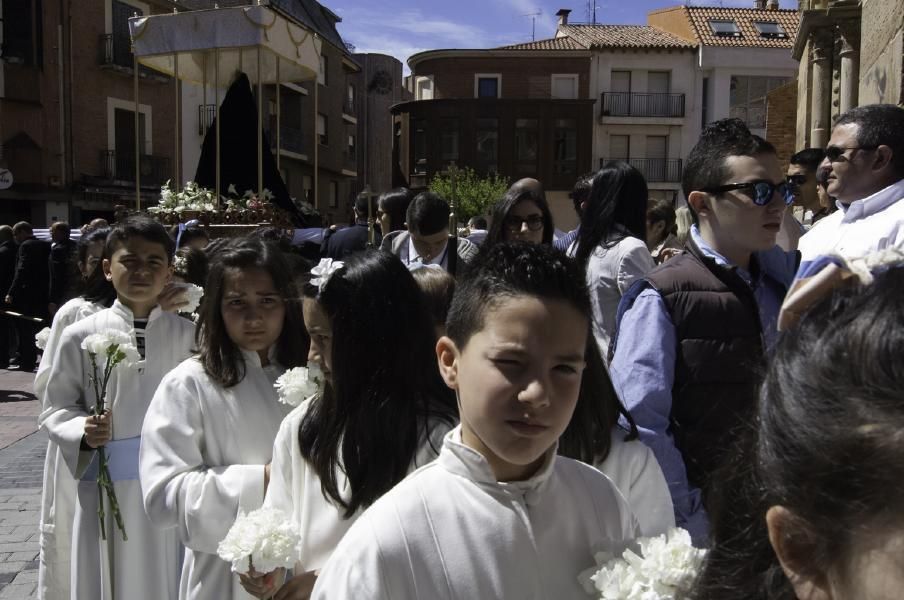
514, 224
796, 180
835, 153
763, 191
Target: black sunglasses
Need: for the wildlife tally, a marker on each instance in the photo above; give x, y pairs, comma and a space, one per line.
835, 153
763, 191
796, 180
514, 224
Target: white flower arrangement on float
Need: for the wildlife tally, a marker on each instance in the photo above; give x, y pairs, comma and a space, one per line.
296, 385
664, 569
248, 201
192, 197
264, 540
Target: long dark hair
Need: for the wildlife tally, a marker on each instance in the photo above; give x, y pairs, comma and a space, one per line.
826, 445
395, 204
618, 199
386, 390
505, 205
221, 357
97, 289
78, 284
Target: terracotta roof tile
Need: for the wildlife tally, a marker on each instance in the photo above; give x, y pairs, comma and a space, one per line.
700, 16
557, 43
624, 36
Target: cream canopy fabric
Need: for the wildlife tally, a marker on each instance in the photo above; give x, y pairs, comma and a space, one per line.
238, 33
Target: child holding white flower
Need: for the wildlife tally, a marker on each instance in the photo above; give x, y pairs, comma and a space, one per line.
383, 411
208, 435
137, 261
498, 514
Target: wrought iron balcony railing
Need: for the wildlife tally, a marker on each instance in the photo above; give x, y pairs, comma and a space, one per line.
637, 104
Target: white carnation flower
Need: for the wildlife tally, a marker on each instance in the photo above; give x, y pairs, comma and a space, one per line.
99, 343
264, 538
193, 294
42, 337
295, 385
663, 570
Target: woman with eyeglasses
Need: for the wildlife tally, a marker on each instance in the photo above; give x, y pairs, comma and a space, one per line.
522, 215
612, 243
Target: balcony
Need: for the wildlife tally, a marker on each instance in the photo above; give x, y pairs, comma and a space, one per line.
290, 138
654, 170
206, 114
348, 111
115, 54
637, 104
120, 166
350, 162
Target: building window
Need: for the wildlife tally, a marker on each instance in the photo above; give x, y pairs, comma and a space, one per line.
419, 145
322, 78
657, 153
423, 88
565, 145
487, 145
350, 100
351, 146
770, 30
448, 141
527, 142
487, 85
322, 133
747, 98
565, 87
306, 188
619, 147
724, 28
22, 29
334, 194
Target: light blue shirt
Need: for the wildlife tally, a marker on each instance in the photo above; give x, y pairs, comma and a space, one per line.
643, 368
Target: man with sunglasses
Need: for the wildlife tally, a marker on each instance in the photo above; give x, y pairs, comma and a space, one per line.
693, 334
864, 167
802, 177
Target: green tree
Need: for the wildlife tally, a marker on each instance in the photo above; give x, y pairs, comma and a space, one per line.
474, 195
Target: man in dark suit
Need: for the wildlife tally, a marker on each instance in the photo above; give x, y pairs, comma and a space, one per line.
29, 292
353, 238
62, 258
7, 269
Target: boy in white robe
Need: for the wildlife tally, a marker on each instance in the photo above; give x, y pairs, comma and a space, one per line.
138, 262
498, 514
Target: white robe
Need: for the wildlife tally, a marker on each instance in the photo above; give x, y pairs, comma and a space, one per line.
451, 531
203, 451
147, 565
59, 492
634, 470
295, 489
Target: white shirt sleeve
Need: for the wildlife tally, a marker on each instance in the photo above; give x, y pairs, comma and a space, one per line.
634, 264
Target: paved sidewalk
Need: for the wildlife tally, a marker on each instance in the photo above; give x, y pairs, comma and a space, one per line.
22, 450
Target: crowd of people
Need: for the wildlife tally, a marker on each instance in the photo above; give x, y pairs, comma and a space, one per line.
497, 408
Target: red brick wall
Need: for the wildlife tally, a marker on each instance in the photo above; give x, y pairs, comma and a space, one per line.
781, 120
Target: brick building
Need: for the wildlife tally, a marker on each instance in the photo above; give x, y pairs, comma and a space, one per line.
781, 120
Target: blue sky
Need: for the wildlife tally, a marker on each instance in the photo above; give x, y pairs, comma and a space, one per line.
403, 27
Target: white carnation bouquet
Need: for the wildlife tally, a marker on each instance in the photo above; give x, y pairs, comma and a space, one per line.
295, 385
107, 350
664, 570
264, 540
42, 337
192, 197
193, 294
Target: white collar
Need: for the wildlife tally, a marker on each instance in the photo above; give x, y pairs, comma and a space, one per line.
413, 255
462, 460
126, 313
875, 203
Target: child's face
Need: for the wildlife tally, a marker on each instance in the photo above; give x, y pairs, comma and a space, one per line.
138, 270
517, 380
253, 309
317, 322
92, 257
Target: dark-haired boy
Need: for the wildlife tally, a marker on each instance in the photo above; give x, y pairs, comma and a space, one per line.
427, 238
497, 514
802, 176
137, 260
692, 335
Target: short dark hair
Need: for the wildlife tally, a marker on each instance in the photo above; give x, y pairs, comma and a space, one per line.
512, 198
97, 289
705, 167
191, 265
189, 233
438, 287
221, 357
825, 443
395, 203
510, 269
809, 158
879, 125
22, 227
362, 201
658, 210
427, 214
139, 226
61, 226
580, 193
480, 222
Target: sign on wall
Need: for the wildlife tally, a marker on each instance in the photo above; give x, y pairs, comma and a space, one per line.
6, 179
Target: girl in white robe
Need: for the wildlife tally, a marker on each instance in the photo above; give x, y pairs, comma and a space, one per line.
383, 411
146, 566
208, 435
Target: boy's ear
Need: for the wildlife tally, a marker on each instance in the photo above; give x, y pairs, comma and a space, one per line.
105, 265
447, 358
697, 201
790, 546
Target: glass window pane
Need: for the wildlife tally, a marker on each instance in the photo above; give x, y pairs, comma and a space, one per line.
565, 147
487, 87
419, 156
449, 139
487, 144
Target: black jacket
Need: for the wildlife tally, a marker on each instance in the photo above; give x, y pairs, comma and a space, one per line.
30, 289
62, 257
348, 241
8, 252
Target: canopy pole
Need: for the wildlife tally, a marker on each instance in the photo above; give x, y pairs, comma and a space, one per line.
137, 135
278, 97
216, 118
316, 146
203, 115
260, 125
178, 83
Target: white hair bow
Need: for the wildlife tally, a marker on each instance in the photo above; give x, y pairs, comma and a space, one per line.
323, 271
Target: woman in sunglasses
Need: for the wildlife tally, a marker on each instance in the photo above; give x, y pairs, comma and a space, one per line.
612, 242
521, 215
